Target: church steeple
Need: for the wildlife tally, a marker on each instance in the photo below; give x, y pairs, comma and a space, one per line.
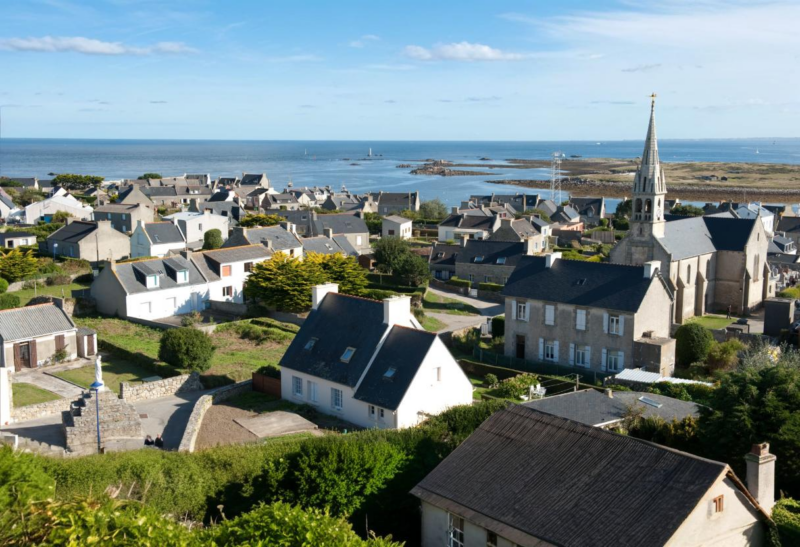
649, 185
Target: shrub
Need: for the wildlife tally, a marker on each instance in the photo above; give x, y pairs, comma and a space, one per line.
212, 239
490, 380
786, 514
517, 386
693, 343
491, 287
58, 279
60, 355
3, 285
698, 393
467, 341
457, 282
377, 294
8, 301
186, 348
498, 326
191, 318
790, 292
270, 371
724, 355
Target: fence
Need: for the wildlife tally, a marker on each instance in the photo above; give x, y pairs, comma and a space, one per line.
265, 384
537, 367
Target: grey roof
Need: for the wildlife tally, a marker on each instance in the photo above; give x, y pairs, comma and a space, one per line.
443, 254
520, 202
253, 178
346, 246
26, 182
404, 350
132, 274
687, 237
399, 199
279, 238
209, 262
779, 244
730, 234
592, 407
220, 196
491, 251
117, 207
5, 236
788, 224
33, 321
581, 283
6, 199
73, 232
397, 219
474, 222
340, 322
565, 214
548, 206
340, 224
524, 473
86, 331
588, 206
228, 209
163, 232
280, 199
320, 244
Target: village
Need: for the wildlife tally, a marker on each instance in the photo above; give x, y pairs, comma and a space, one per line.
592, 348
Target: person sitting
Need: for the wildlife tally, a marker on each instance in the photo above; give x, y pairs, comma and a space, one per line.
159, 442
148, 441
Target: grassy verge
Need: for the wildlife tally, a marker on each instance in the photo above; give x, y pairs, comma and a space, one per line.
713, 322
431, 324
29, 394
115, 371
482, 389
54, 290
443, 304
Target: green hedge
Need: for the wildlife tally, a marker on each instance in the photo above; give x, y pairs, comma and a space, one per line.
491, 287
498, 326
458, 282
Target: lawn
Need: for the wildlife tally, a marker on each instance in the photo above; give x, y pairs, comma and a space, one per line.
431, 324
443, 304
712, 322
481, 388
29, 394
115, 371
54, 290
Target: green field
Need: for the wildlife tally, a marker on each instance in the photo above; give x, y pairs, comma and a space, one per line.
43, 290
431, 324
29, 394
712, 322
115, 371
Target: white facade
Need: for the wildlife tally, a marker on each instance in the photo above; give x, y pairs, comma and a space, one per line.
166, 303
230, 286
45, 209
142, 246
755, 210
396, 227
452, 233
193, 226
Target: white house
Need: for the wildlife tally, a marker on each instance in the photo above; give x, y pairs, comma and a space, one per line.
156, 239
755, 210
226, 270
193, 226
370, 363
45, 209
396, 226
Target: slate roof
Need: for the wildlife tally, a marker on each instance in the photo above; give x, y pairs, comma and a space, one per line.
789, 224
346, 246
220, 196
26, 182
565, 214
117, 207
730, 234
253, 178
340, 322
74, 232
406, 200
320, 244
585, 206
568, 484
209, 262
279, 199
581, 283
33, 321
397, 219
340, 224
687, 237
404, 350
279, 238
6, 199
518, 201
593, 407
779, 244
132, 274
490, 250
447, 256
548, 206
474, 222
163, 232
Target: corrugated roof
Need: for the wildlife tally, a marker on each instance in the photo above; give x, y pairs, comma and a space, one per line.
33, 321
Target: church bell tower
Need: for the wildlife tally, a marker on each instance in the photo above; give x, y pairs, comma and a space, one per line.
649, 187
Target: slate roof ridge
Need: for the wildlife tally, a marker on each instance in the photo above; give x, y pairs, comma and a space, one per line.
207, 251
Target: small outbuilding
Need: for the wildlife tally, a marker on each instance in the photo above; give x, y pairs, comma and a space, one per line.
396, 226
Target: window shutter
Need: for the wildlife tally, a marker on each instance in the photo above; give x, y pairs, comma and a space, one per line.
588, 356
621, 360
572, 354
527, 311
541, 348
621, 325
513, 309
605, 324
555, 351
603, 359
34, 357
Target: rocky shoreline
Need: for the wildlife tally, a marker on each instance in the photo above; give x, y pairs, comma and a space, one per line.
442, 168
688, 192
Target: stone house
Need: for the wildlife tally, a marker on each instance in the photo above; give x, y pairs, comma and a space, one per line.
487, 261
396, 226
520, 202
193, 226
529, 479
124, 216
283, 202
92, 241
591, 210
282, 238
156, 239
370, 363
523, 229
349, 231
12, 240
390, 203
32, 335
442, 260
595, 316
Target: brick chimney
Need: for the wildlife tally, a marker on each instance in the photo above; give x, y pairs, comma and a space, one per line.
397, 310
550, 259
761, 475
318, 293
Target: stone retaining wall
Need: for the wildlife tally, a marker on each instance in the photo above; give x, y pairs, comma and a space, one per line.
442, 286
202, 405
40, 410
160, 388
491, 296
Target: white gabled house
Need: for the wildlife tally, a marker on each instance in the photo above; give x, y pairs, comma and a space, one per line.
226, 270
156, 239
370, 363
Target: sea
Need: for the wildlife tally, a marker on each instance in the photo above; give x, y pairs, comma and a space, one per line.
348, 164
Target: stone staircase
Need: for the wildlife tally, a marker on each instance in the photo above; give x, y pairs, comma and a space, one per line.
118, 420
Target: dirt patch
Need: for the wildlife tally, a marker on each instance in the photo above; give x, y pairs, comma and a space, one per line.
218, 427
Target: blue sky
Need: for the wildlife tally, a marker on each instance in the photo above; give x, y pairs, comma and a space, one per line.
435, 70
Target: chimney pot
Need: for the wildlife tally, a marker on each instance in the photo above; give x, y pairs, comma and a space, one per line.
397, 310
609, 393
464, 239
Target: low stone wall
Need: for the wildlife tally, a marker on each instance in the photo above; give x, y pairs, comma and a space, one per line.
284, 317
491, 296
230, 308
160, 388
118, 420
40, 410
202, 405
442, 286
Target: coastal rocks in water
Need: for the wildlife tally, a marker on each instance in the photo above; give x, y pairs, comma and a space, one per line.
486, 159
440, 168
404, 166
355, 163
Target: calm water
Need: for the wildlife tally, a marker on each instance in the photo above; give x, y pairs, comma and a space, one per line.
323, 162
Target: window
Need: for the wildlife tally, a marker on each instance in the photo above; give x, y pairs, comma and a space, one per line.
582, 356
124, 216
227, 292
183, 276
471, 278
297, 386
312, 391
549, 351
501, 260
336, 398
348, 354
549, 315
522, 311
719, 504
391, 232
580, 319
381, 414
689, 273
152, 281
359, 241
310, 344
200, 227
389, 372
248, 267
614, 326
226, 271
491, 539
478, 259
455, 531
437, 374
372, 411
612, 361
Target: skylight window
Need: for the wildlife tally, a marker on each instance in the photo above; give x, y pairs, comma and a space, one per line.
440, 254
581, 282
389, 372
348, 354
478, 259
310, 344
501, 260
650, 402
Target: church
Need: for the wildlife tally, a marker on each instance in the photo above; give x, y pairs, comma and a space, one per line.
710, 263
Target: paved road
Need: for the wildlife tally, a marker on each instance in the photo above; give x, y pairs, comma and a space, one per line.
486, 308
457, 322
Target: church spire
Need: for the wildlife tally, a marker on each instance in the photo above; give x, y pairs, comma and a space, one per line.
649, 186
650, 154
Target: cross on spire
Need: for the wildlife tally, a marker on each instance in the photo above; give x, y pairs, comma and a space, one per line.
653, 101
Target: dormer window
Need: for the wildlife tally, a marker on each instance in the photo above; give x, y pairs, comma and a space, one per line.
478, 259
182, 276
389, 373
501, 260
152, 281
348, 354
310, 344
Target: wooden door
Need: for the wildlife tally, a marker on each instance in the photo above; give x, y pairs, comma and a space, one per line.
17, 357
90, 349
33, 362
61, 342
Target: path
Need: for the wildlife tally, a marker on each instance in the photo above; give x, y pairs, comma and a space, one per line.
487, 309
39, 378
457, 322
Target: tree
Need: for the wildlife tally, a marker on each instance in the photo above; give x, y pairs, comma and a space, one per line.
147, 176
624, 209
16, 265
186, 348
253, 221
212, 239
536, 212
70, 181
412, 269
25, 196
433, 209
284, 283
9, 183
389, 251
693, 342
3, 285
61, 216
9, 301
374, 223
687, 211
342, 270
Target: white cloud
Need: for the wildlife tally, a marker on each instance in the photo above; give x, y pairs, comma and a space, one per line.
364, 40
461, 51
642, 68
90, 46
